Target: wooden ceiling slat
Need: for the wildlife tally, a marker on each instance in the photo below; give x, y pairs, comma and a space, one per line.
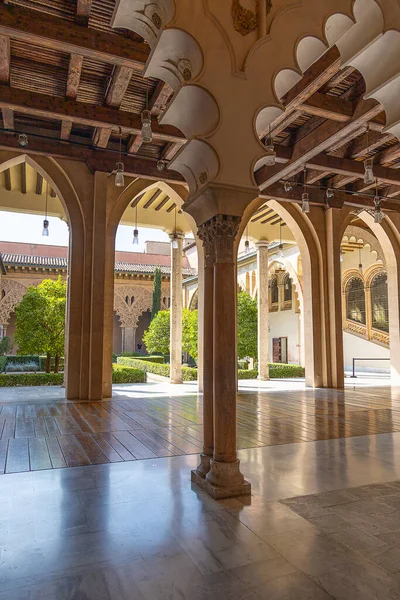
162, 203
23, 177
153, 198
39, 184
7, 178
137, 200
171, 208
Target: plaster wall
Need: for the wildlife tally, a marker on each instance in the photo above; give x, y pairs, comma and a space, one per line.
355, 347
286, 324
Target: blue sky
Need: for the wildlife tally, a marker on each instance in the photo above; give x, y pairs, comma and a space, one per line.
18, 227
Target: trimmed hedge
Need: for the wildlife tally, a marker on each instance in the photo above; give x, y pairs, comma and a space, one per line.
188, 373
30, 379
13, 359
153, 359
280, 371
247, 373
3, 362
123, 374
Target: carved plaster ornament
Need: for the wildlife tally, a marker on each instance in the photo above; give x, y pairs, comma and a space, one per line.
152, 12
185, 68
14, 292
245, 20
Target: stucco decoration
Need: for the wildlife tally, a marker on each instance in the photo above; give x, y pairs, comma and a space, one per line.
201, 103
14, 292
130, 301
198, 164
145, 17
356, 234
245, 20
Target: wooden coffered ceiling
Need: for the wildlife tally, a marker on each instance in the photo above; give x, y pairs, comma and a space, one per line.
324, 128
66, 76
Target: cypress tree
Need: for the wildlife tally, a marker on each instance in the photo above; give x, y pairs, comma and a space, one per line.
156, 304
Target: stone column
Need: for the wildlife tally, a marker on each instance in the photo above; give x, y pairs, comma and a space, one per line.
263, 311
176, 309
208, 365
224, 479
129, 339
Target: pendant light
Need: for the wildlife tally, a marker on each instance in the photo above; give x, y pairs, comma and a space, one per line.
305, 199
147, 134
280, 253
45, 230
119, 167
341, 255
247, 243
270, 152
360, 267
330, 193
378, 214
368, 165
287, 186
175, 244
135, 240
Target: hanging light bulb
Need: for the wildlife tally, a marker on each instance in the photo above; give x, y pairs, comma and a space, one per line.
147, 134
287, 186
280, 251
305, 199
378, 214
368, 165
119, 167
246, 247
135, 240
305, 203
45, 230
270, 152
341, 254
360, 266
119, 174
330, 193
286, 285
175, 244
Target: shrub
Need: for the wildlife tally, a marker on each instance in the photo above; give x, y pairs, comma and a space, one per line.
125, 360
15, 367
280, 370
32, 366
30, 379
3, 362
188, 373
243, 364
247, 373
123, 374
27, 358
114, 358
42, 363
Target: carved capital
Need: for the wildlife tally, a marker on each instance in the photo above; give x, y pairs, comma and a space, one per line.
218, 235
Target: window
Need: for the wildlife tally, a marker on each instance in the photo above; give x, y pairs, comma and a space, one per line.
274, 292
287, 288
379, 302
355, 300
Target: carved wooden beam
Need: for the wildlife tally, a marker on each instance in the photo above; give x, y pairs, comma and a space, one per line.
101, 136
50, 107
328, 107
159, 98
44, 30
23, 177
83, 8
8, 117
7, 178
39, 184
118, 86
135, 143
66, 127
74, 75
4, 59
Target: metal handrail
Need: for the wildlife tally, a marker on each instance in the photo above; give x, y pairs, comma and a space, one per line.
354, 376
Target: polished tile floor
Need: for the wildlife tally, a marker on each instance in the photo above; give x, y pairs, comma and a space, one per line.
322, 523
40, 430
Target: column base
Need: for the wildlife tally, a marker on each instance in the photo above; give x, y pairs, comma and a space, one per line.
203, 467
224, 480
262, 378
176, 381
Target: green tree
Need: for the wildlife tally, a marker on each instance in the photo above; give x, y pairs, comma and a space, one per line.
5, 345
247, 326
156, 304
157, 336
40, 321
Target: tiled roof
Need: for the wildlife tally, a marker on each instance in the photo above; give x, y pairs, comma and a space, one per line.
49, 262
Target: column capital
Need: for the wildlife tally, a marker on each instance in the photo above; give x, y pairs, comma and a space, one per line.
262, 244
219, 233
177, 235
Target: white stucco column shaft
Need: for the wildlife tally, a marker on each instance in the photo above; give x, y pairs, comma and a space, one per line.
176, 308
262, 303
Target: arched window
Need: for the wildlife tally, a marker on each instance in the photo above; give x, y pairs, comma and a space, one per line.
287, 288
379, 302
274, 291
355, 300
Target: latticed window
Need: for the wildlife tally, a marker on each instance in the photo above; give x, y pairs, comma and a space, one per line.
287, 288
274, 292
355, 300
379, 302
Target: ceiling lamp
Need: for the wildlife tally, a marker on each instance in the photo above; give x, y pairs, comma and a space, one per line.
378, 214
247, 243
135, 240
330, 193
368, 165
119, 167
341, 255
305, 199
287, 186
360, 266
175, 244
280, 252
147, 134
22, 140
269, 148
45, 230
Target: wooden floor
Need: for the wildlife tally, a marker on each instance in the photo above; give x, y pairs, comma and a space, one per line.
53, 435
